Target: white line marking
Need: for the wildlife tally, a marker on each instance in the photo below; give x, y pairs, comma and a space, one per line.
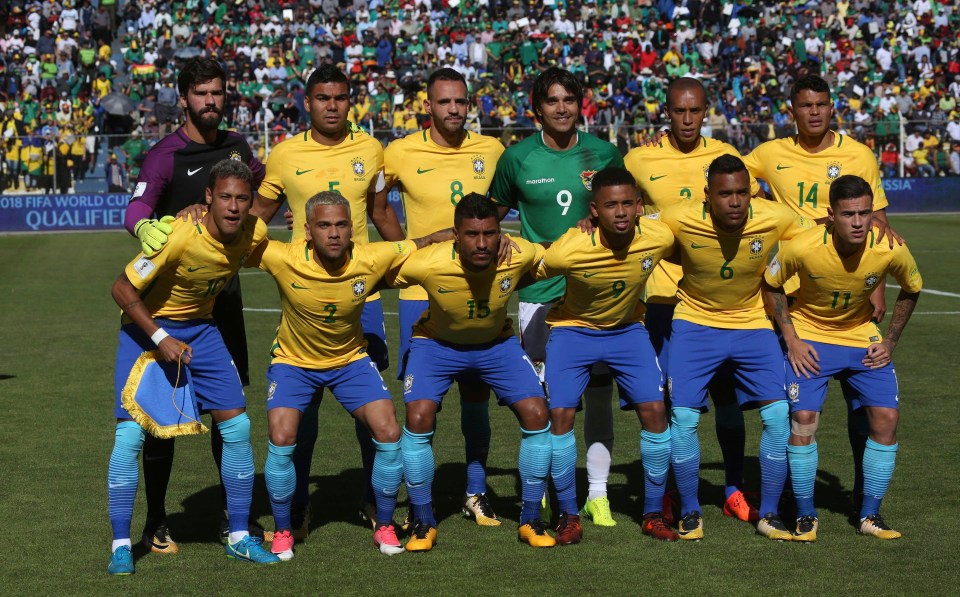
931, 291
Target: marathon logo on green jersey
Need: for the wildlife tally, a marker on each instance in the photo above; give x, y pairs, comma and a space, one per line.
541, 181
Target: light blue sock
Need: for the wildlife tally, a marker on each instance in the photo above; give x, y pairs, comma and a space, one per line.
685, 456
534, 465
655, 456
281, 477
563, 470
731, 436
773, 455
123, 475
803, 476
367, 455
237, 470
386, 476
418, 464
878, 464
303, 456
475, 426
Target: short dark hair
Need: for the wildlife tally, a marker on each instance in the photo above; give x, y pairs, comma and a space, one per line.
444, 74
229, 169
809, 83
474, 206
725, 164
685, 84
849, 186
197, 71
612, 176
328, 73
550, 77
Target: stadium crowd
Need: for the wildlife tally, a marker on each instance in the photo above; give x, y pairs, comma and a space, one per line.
78, 77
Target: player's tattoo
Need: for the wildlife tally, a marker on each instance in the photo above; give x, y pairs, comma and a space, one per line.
776, 301
902, 309
131, 304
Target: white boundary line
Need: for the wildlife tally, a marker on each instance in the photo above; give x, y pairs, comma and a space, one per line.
934, 292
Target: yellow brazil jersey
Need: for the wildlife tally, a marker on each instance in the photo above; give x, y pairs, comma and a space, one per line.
801, 180
833, 303
666, 177
721, 271
182, 281
433, 179
465, 307
604, 286
299, 168
320, 326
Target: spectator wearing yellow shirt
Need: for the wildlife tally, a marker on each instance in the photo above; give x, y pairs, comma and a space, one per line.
102, 85
922, 161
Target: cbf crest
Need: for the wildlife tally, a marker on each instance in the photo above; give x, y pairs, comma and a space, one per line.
756, 246
407, 383
479, 166
359, 287
646, 263
506, 284
833, 171
871, 279
235, 155
359, 167
793, 392
586, 177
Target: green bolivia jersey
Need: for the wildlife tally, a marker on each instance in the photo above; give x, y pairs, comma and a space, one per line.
551, 190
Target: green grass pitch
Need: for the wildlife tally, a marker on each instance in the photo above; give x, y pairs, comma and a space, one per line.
58, 330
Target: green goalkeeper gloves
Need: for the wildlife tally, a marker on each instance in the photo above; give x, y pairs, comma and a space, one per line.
153, 233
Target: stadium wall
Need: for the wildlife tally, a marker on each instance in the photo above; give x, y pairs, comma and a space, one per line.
54, 213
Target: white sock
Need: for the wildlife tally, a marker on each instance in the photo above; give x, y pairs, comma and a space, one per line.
120, 543
598, 435
236, 536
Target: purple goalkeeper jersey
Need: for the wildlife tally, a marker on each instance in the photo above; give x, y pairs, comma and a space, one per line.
176, 170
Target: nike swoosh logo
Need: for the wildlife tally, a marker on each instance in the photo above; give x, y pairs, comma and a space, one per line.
680, 460
193, 269
444, 291
696, 246
245, 475
589, 274
653, 178
775, 459
115, 485
779, 167
192, 172
299, 171
296, 286
420, 171
812, 277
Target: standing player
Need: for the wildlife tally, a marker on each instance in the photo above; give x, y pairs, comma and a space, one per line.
435, 169
167, 301
801, 168
600, 320
332, 156
669, 173
546, 177
828, 332
173, 177
720, 324
465, 330
323, 282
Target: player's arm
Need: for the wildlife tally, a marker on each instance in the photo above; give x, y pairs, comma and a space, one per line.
881, 354
138, 220
381, 213
880, 220
128, 298
802, 356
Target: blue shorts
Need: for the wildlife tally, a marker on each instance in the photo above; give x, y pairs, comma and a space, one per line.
215, 378
353, 385
752, 358
626, 351
863, 386
409, 314
659, 321
433, 365
375, 333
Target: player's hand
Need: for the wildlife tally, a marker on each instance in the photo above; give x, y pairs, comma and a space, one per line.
879, 355
172, 350
288, 216
656, 138
192, 212
506, 250
890, 233
879, 302
586, 225
803, 358
153, 234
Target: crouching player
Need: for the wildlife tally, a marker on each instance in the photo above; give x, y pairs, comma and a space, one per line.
465, 331
828, 333
324, 282
599, 320
167, 303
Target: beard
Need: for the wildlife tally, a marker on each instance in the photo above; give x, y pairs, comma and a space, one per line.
204, 120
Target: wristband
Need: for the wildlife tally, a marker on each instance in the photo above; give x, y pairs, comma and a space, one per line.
158, 336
